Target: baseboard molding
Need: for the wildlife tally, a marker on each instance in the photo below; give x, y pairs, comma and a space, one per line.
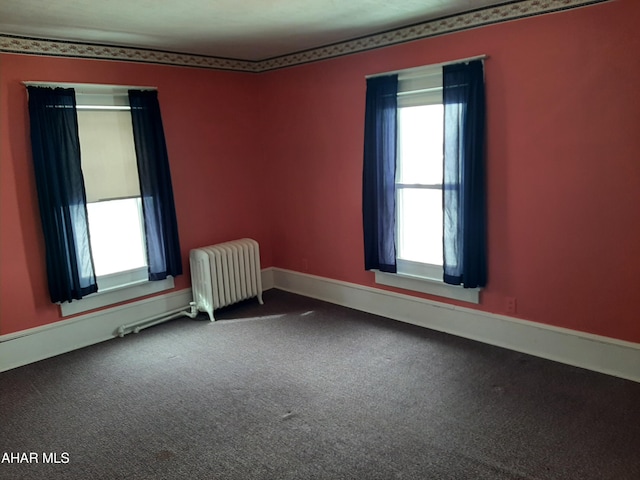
592, 352
267, 278
28, 346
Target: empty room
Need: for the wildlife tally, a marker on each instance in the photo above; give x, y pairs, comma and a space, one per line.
320, 240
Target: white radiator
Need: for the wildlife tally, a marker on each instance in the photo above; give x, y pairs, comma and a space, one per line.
224, 274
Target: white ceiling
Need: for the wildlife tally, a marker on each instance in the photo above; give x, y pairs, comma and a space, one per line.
239, 29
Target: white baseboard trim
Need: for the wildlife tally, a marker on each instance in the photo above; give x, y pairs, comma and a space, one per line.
28, 346
267, 278
592, 352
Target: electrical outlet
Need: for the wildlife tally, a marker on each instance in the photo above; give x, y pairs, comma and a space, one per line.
510, 305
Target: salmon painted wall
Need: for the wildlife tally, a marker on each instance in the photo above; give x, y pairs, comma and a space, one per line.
209, 119
278, 156
563, 163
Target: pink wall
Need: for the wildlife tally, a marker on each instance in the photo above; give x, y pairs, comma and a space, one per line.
563, 161
208, 117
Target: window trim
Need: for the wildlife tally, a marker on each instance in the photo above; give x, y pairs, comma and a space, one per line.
422, 86
125, 278
431, 286
113, 100
116, 294
129, 284
417, 87
90, 96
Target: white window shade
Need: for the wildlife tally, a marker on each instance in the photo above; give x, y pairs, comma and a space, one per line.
420, 87
108, 154
101, 96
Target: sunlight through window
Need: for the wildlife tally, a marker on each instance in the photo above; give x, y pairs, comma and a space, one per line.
117, 238
419, 183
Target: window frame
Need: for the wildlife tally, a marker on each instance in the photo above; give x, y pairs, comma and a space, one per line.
434, 97
416, 87
129, 284
111, 296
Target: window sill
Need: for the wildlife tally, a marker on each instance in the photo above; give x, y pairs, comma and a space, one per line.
432, 286
113, 295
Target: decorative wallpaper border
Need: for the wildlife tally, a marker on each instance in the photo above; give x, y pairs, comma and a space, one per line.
486, 16
57, 48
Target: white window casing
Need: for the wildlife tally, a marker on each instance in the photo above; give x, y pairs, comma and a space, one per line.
417, 87
108, 176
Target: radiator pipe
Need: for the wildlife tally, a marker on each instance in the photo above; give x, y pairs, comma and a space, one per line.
165, 317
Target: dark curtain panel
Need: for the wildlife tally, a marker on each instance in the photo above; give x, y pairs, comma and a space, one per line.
61, 195
464, 175
161, 226
379, 172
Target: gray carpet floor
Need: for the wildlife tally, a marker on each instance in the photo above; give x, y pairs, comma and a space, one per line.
302, 389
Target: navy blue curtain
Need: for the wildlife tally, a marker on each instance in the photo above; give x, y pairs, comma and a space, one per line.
464, 193
61, 195
161, 226
379, 172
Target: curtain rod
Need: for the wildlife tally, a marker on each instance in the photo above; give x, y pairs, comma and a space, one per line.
86, 86
433, 65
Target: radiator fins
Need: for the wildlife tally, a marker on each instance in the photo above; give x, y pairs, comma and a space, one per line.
224, 274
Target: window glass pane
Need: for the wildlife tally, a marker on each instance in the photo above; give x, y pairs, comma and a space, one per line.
420, 144
420, 225
117, 238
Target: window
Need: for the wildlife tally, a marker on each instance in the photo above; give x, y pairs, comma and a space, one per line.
107, 209
114, 204
423, 181
117, 237
419, 174
112, 186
